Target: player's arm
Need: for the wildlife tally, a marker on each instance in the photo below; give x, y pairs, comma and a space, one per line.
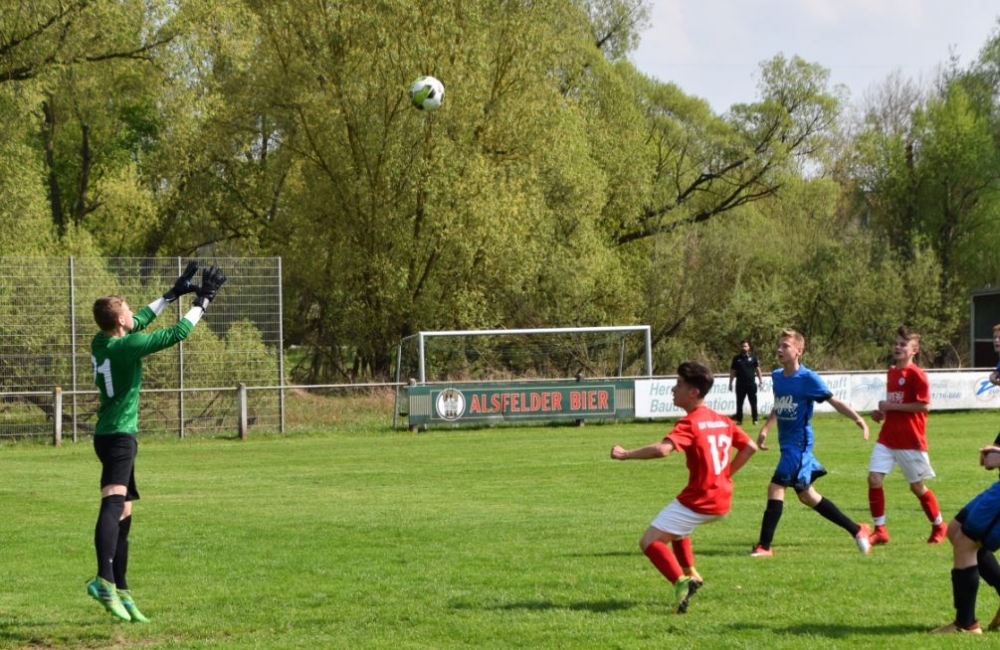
772, 417
147, 343
745, 449
656, 450
732, 376
845, 409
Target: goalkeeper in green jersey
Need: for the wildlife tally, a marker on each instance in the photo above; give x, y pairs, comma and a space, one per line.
117, 352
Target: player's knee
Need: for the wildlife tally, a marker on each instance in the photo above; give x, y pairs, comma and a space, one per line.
112, 507
809, 498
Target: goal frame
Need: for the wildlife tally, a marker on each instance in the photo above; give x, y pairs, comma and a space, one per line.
423, 336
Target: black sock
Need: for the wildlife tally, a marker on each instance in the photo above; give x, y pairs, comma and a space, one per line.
830, 511
106, 534
772, 514
964, 586
120, 565
989, 568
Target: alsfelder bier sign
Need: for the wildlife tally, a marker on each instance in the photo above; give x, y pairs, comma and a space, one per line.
553, 400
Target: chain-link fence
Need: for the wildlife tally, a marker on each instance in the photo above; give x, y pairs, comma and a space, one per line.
46, 326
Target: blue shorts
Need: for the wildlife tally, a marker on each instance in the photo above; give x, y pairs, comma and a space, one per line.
797, 469
980, 518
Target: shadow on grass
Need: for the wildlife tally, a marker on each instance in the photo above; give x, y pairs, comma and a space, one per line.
595, 606
829, 631
605, 554
50, 634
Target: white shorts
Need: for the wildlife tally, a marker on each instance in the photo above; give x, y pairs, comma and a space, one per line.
678, 519
915, 464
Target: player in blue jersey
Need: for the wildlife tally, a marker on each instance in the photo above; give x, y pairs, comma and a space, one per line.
974, 534
796, 390
964, 586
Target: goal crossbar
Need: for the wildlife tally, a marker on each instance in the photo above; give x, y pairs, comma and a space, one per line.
423, 336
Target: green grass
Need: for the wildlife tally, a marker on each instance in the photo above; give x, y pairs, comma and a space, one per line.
497, 538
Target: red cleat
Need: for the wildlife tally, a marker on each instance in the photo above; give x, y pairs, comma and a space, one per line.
879, 536
938, 533
760, 551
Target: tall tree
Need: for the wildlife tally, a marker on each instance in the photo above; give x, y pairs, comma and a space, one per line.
708, 165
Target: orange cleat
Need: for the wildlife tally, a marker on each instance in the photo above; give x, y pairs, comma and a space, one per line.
863, 539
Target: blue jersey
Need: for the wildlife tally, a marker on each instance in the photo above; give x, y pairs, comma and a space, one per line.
980, 518
794, 397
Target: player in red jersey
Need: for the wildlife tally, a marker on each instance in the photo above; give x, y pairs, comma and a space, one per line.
706, 438
903, 438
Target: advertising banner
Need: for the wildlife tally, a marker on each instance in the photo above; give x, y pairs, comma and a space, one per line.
554, 400
950, 390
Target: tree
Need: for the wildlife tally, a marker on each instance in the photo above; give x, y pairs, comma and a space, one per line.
929, 181
390, 220
708, 166
616, 25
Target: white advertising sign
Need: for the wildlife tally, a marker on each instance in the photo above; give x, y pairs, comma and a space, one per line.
951, 390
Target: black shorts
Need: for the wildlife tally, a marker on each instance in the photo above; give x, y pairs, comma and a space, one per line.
117, 452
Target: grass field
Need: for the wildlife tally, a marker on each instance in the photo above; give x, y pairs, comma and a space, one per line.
498, 538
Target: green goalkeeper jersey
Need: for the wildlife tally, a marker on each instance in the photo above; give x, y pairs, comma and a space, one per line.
118, 369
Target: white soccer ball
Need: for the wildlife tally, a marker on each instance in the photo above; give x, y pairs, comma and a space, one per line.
426, 93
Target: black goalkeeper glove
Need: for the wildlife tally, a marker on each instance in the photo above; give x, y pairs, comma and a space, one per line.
183, 284
212, 279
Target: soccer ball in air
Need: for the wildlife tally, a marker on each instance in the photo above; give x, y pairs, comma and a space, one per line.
426, 93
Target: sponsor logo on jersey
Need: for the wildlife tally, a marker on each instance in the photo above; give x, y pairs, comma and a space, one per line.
785, 406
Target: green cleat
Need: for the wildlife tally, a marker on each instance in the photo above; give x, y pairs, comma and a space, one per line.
129, 604
105, 593
684, 588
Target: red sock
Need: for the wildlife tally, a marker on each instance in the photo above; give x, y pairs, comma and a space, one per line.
664, 560
683, 552
930, 505
876, 502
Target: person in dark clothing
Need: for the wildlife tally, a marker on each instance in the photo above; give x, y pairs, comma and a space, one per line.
745, 369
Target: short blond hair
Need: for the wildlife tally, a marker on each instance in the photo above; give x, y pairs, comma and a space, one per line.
797, 338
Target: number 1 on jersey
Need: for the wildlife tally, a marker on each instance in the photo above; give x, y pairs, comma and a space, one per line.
104, 370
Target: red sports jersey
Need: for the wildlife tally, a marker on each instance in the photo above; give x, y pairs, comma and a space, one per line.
706, 439
902, 430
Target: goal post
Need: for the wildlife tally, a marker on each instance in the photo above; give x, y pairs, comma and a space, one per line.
484, 359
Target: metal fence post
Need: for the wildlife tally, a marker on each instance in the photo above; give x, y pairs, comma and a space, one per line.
72, 340
241, 399
57, 416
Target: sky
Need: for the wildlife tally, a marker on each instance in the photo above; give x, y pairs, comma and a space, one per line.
713, 48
